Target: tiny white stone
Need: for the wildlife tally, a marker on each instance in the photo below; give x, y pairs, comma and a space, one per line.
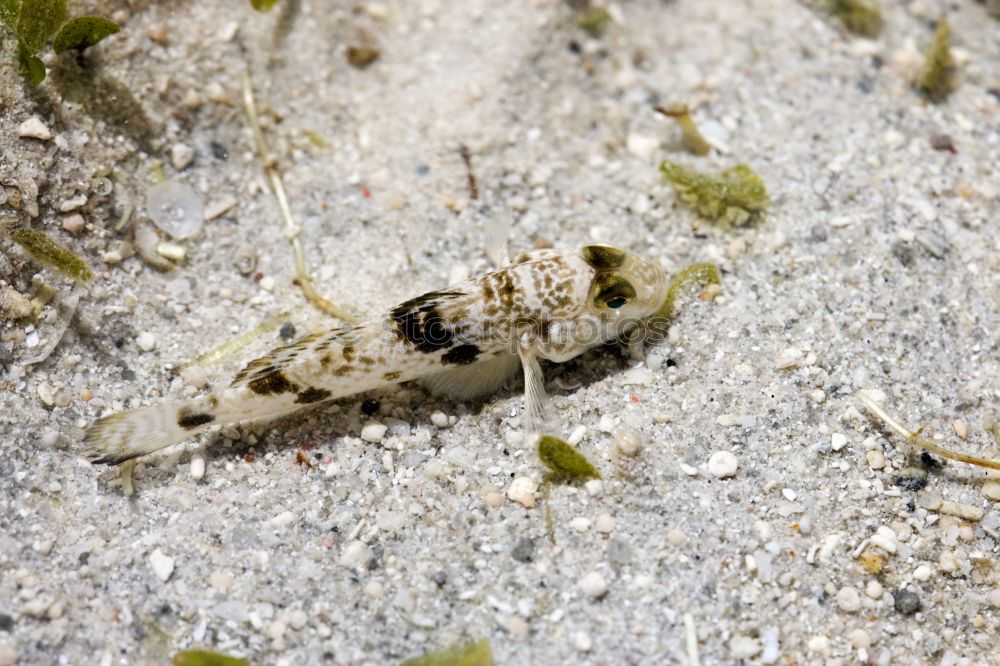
874, 589
181, 155
849, 600
72, 204
789, 494
73, 223
885, 539
373, 589
743, 647
146, 341
594, 585
580, 524
267, 283
373, 431
594, 487
727, 420
819, 644
605, 523
875, 458
582, 641
991, 490
627, 441
922, 572
163, 565
838, 441
197, 466
522, 490
817, 395
439, 419
577, 435
789, 358
34, 128
642, 146
860, 639
50, 438
689, 470
722, 464
961, 429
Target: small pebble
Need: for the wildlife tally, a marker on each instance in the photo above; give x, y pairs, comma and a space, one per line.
722, 464
493, 499
34, 128
594, 487
73, 223
266, 283
627, 441
961, 429
817, 396
580, 524
582, 641
860, 639
373, 589
849, 600
524, 550
370, 407
146, 341
838, 441
8, 655
675, 537
820, 645
439, 419
219, 208
49, 438
642, 146
874, 589
788, 359
373, 432
594, 585
181, 156
922, 572
875, 458
906, 602
522, 490
991, 490
163, 565
197, 466
743, 647
605, 523
73, 203
287, 331
175, 208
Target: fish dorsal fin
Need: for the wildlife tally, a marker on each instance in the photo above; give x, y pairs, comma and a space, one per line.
278, 358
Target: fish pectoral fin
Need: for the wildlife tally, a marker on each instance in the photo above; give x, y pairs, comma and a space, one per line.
465, 382
537, 411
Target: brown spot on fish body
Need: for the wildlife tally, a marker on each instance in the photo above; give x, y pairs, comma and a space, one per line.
326, 360
487, 291
213, 401
273, 383
343, 370
348, 352
311, 395
366, 361
190, 421
392, 375
461, 355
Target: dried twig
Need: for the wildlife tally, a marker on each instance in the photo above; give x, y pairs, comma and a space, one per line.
916, 440
302, 278
230, 347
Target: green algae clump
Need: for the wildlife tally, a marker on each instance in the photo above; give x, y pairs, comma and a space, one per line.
567, 464
700, 274
734, 198
860, 18
206, 658
937, 79
46, 251
469, 654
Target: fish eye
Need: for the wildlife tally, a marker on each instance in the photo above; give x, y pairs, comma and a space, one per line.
616, 302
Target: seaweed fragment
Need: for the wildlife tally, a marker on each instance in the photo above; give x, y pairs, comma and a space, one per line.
692, 138
937, 78
302, 278
263, 5
593, 20
565, 462
46, 251
33, 22
734, 198
230, 347
916, 440
702, 274
860, 18
466, 654
207, 658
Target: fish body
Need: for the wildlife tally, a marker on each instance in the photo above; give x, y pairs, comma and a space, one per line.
466, 340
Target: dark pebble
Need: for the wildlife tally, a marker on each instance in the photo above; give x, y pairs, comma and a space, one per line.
524, 551
902, 252
370, 407
906, 602
219, 151
943, 142
440, 578
6, 622
818, 233
671, 363
287, 330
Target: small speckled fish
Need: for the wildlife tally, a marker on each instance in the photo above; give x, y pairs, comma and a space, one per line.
462, 341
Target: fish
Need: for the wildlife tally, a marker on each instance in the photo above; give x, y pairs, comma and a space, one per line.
464, 341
